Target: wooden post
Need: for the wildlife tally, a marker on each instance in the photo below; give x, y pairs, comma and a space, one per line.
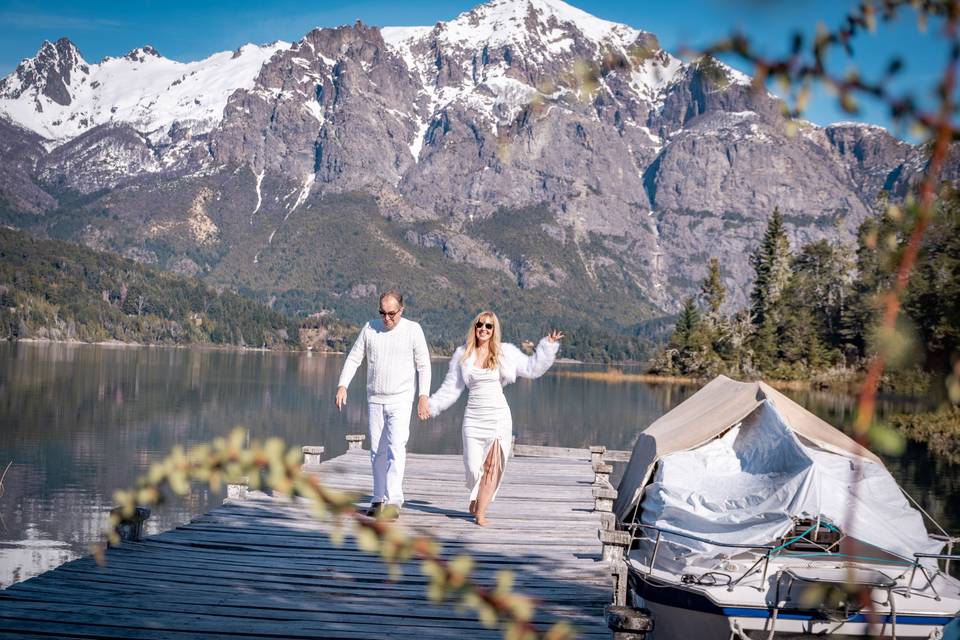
601, 474
596, 453
603, 498
238, 490
132, 530
621, 575
355, 441
628, 623
312, 455
615, 544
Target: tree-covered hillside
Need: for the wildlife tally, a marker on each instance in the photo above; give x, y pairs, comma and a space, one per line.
62, 291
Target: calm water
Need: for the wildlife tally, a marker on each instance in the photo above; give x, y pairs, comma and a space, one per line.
81, 421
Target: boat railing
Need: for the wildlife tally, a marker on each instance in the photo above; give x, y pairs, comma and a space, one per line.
931, 574
764, 549
949, 541
768, 551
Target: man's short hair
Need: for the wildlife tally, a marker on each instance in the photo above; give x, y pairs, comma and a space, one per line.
391, 293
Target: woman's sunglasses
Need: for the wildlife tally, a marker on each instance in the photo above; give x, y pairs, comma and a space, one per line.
485, 325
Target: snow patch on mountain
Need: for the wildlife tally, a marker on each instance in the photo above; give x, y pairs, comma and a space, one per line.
143, 89
507, 22
259, 183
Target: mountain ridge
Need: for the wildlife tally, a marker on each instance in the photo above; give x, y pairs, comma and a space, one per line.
641, 165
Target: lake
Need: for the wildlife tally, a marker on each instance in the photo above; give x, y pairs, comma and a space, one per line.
80, 421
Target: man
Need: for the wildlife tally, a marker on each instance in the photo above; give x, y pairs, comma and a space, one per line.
395, 349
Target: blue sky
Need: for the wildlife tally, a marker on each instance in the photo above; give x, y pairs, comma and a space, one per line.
192, 30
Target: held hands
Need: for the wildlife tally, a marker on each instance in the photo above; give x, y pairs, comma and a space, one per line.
341, 400
555, 336
423, 408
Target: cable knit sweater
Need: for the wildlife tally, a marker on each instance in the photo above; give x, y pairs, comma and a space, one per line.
394, 357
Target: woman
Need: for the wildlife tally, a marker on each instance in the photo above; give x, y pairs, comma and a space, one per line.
484, 365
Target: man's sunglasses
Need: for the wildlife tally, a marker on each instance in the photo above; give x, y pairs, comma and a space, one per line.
390, 314
485, 325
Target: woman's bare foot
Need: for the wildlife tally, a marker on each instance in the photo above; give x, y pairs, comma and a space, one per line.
482, 520
473, 507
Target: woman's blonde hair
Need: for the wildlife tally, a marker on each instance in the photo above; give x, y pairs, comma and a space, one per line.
494, 351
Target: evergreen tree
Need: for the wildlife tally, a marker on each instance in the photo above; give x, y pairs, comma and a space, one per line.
687, 323
712, 291
876, 256
932, 298
771, 265
821, 284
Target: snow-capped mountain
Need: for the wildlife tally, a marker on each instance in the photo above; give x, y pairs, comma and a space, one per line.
563, 156
59, 95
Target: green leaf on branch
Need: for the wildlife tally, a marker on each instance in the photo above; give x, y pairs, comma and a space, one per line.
886, 439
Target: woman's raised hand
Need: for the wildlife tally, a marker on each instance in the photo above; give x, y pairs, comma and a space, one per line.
555, 336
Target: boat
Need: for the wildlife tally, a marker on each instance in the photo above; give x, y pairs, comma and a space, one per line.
750, 517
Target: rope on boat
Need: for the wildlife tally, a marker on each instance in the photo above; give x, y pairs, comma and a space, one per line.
708, 579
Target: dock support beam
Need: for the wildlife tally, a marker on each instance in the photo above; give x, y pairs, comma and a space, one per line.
132, 530
312, 455
238, 490
355, 440
628, 623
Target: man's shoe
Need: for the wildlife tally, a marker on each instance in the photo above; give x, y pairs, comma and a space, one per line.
389, 512
375, 509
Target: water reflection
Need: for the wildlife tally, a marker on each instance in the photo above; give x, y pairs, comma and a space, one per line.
80, 421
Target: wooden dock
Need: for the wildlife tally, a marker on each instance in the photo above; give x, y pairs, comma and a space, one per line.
261, 567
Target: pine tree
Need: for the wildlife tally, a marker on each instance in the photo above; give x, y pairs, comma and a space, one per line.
874, 268
687, 323
771, 265
822, 284
712, 291
932, 299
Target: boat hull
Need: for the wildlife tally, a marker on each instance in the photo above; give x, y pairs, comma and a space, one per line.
680, 613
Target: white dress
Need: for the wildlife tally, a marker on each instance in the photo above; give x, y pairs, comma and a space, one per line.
486, 420
487, 417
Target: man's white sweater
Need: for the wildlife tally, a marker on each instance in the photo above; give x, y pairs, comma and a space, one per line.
394, 357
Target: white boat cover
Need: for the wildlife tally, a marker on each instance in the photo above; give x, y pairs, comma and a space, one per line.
739, 460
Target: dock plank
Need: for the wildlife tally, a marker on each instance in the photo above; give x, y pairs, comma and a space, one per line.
263, 567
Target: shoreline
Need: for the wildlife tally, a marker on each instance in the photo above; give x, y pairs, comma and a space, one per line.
612, 374
154, 345
617, 377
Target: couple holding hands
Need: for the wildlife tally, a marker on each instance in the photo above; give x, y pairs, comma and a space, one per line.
396, 353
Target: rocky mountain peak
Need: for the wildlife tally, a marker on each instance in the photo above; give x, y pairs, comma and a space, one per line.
552, 23
140, 54
57, 95
49, 73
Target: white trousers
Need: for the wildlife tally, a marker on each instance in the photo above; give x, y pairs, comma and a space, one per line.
389, 431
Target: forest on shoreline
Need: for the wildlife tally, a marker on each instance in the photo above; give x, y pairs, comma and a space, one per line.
55, 290
815, 316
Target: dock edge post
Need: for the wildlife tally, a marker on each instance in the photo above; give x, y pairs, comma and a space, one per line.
615, 544
312, 455
603, 498
355, 440
601, 474
596, 453
238, 490
132, 531
628, 623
